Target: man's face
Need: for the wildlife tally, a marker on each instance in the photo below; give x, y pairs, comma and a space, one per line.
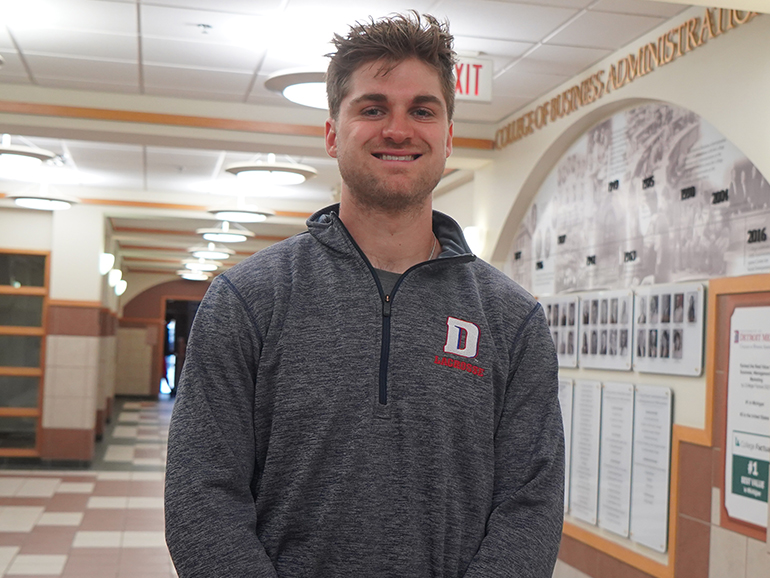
392, 136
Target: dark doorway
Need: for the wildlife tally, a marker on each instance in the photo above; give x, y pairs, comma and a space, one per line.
179, 318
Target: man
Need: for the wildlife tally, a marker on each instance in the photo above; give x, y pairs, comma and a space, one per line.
368, 399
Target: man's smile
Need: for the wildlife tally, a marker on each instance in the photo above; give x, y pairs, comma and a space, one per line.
384, 157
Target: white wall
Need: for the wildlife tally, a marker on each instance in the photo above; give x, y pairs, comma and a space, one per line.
25, 229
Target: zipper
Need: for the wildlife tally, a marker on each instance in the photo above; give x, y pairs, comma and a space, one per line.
387, 301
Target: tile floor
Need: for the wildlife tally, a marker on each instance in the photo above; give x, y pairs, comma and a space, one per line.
102, 522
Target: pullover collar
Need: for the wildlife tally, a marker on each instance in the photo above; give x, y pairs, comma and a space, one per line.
327, 228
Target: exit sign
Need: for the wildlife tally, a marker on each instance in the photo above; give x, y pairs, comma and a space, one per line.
473, 79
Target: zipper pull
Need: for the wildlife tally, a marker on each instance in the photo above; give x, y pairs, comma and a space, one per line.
386, 306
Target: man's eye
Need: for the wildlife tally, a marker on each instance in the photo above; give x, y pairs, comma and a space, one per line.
423, 113
372, 112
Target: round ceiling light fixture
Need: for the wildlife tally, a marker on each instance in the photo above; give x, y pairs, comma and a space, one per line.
305, 87
242, 213
43, 200
224, 234
211, 251
21, 157
272, 172
193, 275
201, 265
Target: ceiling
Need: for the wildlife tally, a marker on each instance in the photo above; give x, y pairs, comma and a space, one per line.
210, 59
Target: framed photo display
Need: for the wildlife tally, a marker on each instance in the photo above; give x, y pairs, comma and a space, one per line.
562, 315
668, 329
606, 323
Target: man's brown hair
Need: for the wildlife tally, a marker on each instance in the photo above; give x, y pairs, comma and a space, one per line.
392, 39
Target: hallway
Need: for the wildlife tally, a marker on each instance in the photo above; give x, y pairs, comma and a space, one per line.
105, 521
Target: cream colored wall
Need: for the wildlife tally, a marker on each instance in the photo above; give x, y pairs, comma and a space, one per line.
134, 362
77, 237
726, 81
25, 229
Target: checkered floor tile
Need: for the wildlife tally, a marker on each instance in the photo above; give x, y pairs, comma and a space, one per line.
102, 522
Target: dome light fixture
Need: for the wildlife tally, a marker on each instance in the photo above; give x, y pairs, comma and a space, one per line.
271, 172
211, 251
114, 276
121, 287
193, 275
224, 234
242, 214
304, 87
20, 156
106, 261
43, 200
201, 265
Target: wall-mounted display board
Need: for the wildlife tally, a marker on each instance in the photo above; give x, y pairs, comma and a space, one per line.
565, 401
651, 467
605, 329
747, 440
584, 475
562, 315
652, 195
617, 433
668, 330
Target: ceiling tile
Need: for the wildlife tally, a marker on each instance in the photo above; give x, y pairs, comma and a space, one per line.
220, 27
81, 15
503, 20
109, 165
80, 69
79, 44
195, 54
89, 85
527, 85
487, 47
187, 79
641, 7
237, 6
566, 60
202, 94
491, 113
605, 30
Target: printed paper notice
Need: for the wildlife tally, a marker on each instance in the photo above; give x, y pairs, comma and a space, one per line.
747, 443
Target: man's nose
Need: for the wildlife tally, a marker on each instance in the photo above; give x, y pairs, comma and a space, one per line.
398, 128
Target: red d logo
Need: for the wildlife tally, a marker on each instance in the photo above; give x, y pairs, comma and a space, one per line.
462, 338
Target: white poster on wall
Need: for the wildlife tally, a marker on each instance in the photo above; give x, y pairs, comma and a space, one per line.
606, 321
565, 401
616, 452
668, 329
586, 427
562, 315
747, 440
651, 467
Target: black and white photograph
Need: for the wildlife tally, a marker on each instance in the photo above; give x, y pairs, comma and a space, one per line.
653, 349
641, 343
586, 312
561, 312
571, 317
584, 347
570, 342
613, 311
665, 308
676, 353
548, 314
555, 314
623, 342
603, 320
613, 349
653, 309
642, 319
594, 342
624, 306
594, 312
692, 307
603, 342
664, 343
678, 307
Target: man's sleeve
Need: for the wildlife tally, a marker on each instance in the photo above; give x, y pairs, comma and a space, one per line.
524, 528
209, 500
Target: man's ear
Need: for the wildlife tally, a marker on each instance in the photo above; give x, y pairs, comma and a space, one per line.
330, 137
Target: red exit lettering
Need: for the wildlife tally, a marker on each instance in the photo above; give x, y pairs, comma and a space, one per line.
467, 80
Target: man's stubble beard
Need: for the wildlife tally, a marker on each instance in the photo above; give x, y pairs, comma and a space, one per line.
374, 194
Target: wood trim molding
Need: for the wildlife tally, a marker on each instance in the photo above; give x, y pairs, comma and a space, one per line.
21, 371
65, 303
19, 412
240, 125
26, 290
12, 330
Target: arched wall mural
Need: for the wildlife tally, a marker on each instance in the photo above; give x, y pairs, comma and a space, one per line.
653, 194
